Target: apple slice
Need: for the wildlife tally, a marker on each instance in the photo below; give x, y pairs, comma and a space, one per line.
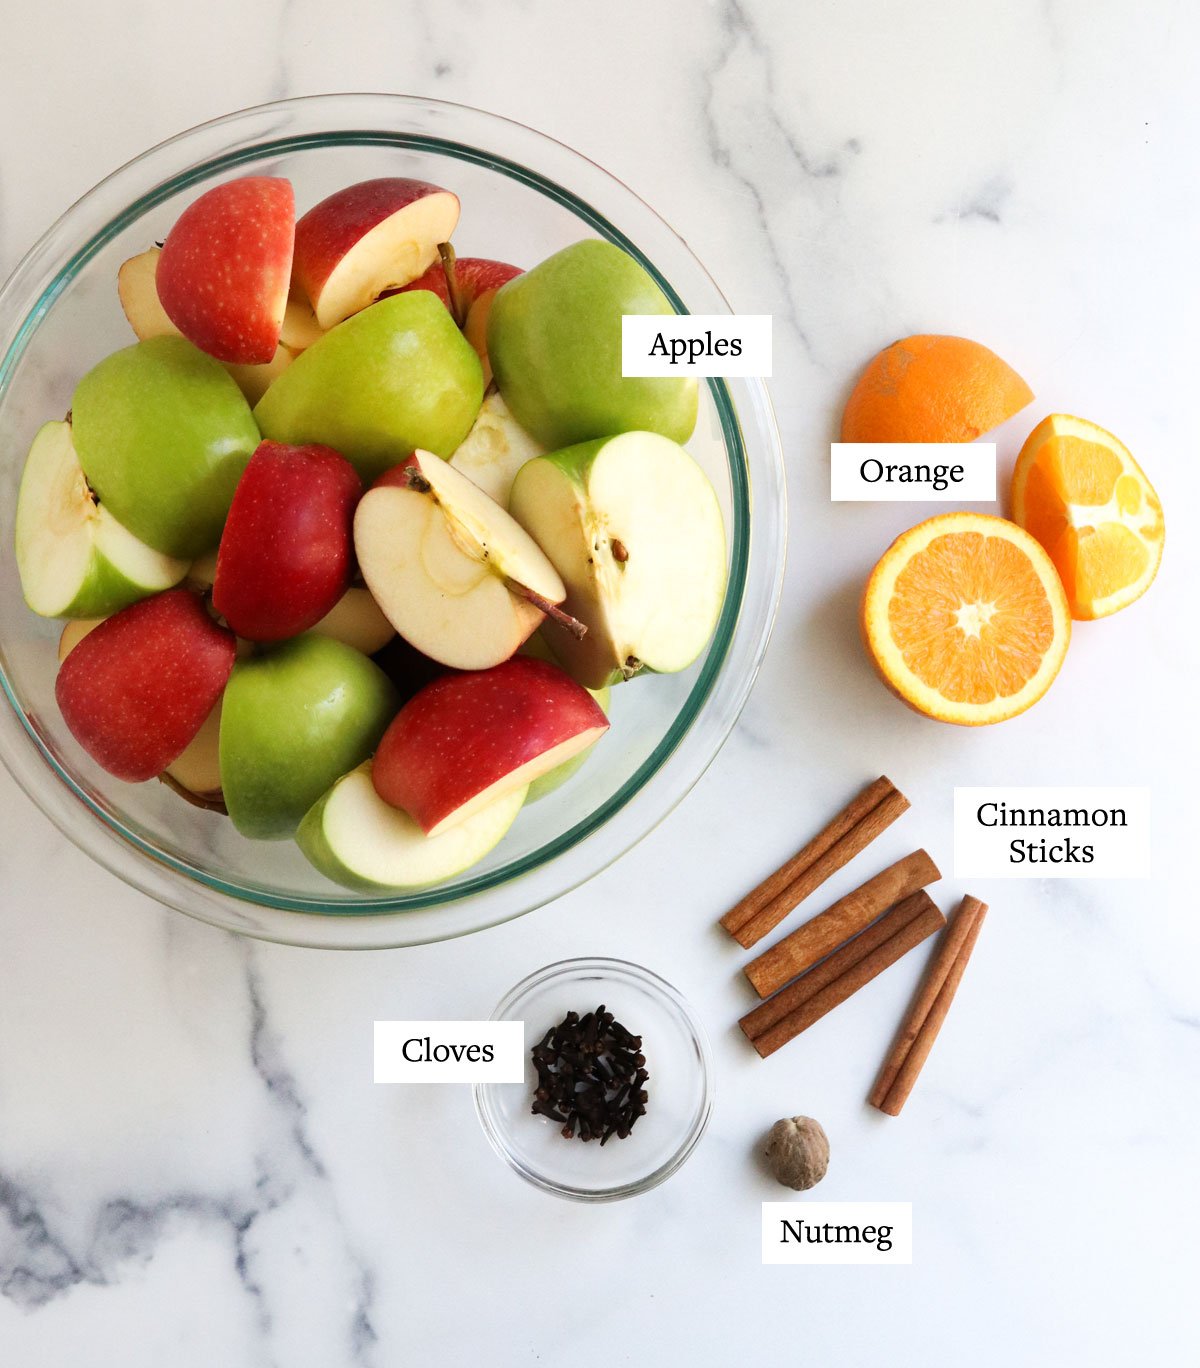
454, 574
354, 838
467, 740
554, 779
226, 267
137, 688
495, 449
195, 774
74, 558
633, 527
300, 327
73, 633
368, 238
358, 621
469, 298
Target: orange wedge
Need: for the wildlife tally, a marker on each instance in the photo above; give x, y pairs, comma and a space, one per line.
932, 388
1084, 497
966, 620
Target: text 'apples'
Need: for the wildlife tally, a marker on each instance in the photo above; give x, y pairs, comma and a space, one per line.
293, 720
74, 558
287, 551
368, 238
554, 341
356, 839
441, 559
467, 740
137, 688
163, 435
633, 526
226, 267
393, 378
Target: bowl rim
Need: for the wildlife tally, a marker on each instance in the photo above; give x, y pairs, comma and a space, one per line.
393, 905
599, 968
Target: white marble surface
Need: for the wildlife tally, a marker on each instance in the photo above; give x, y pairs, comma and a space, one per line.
194, 1166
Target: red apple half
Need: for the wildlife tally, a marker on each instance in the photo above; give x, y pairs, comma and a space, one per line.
466, 740
287, 551
368, 238
226, 266
136, 690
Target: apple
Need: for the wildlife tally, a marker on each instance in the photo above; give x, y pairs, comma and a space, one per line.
73, 633
357, 620
467, 740
74, 558
226, 266
554, 779
287, 551
396, 377
163, 435
137, 688
495, 449
554, 340
138, 292
354, 838
455, 575
195, 774
633, 526
293, 720
368, 238
476, 280
300, 328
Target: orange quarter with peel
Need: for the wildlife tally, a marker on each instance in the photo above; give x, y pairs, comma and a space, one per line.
932, 388
1077, 489
965, 619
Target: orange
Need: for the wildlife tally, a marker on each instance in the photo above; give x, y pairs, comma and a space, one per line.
1084, 497
932, 389
965, 619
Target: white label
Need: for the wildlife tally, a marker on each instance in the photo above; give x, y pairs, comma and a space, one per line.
837, 1232
696, 344
1051, 833
892, 472
449, 1051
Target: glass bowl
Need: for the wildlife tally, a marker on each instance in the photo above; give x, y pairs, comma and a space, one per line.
679, 1087
524, 196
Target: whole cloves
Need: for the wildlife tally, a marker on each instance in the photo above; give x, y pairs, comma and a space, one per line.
590, 1077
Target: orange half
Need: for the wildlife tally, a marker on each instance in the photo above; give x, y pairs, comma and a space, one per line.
966, 620
1083, 496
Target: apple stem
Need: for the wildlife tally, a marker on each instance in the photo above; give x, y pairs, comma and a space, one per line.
210, 802
457, 304
577, 629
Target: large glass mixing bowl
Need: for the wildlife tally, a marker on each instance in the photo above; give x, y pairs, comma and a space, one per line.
523, 196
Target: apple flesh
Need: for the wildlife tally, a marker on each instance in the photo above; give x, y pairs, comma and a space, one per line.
138, 292
163, 435
440, 557
358, 621
495, 449
226, 267
137, 688
476, 280
368, 238
195, 774
287, 551
633, 526
554, 341
74, 558
293, 720
356, 839
396, 377
467, 740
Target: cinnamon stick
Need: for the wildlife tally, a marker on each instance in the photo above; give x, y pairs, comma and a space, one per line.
845, 918
766, 1014
850, 832
924, 924
903, 1065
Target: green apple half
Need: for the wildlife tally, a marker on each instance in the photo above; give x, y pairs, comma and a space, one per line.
397, 376
495, 449
293, 720
356, 839
74, 558
633, 526
163, 435
554, 342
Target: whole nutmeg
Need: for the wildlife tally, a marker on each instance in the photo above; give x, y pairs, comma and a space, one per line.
798, 1152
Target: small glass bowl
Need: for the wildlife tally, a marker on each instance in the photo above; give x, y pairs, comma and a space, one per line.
678, 1060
